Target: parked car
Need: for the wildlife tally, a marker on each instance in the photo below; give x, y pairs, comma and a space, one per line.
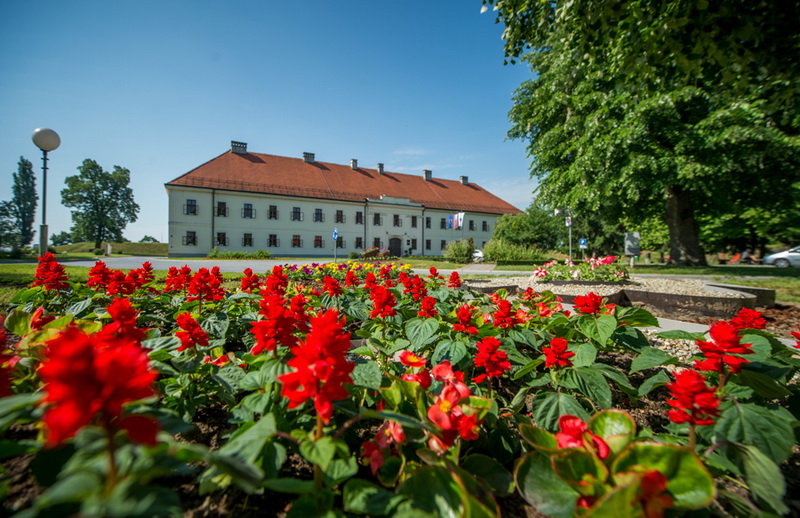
477, 256
786, 258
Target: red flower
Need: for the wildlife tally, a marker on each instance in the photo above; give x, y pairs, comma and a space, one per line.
434, 273
5, 370
410, 359
557, 355
454, 281
123, 323
87, 377
277, 327
370, 281
383, 302
653, 496
277, 281
588, 304
332, 286
491, 358
575, 434
374, 454
99, 276
350, 279
796, 334
390, 432
192, 334
422, 377
206, 285
178, 280
464, 315
693, 401
428, 309
320, 366
469, 427
725, 342
39, 319
748, 319
250, 281
297, 307
505, 317
49, 274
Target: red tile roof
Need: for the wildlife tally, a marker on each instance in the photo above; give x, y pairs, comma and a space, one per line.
270, 174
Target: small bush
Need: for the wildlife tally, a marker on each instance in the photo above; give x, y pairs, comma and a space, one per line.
459, 251
353, 255
238, 254
98, 251
498, 250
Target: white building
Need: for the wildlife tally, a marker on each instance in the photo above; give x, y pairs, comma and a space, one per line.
291, 206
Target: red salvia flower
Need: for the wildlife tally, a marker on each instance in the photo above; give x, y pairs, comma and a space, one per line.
383, 302
385, 272
796, 334
350, 279
320, 366
725, 343
99, 276
178, 280
591, 303
428, 309
557, 354
505, 317
297, 307
86, 377
206, 285
370, 281
50, 274
464, 315
434, 274
123, 324
332, 286
276, 328
417, 289
191, 334
693, 401
748, 319
491, 359
454, 281
277, 281
250, 281
575, 434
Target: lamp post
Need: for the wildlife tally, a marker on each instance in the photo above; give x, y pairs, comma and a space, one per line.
46, 140
568, 222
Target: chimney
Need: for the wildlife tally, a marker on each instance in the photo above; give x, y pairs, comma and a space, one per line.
380, 168
353, 164
308, 158
428, 175
239, 148
465, 180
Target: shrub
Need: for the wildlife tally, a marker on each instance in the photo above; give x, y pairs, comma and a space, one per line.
459, 251
239, 254
498, 250
353, 255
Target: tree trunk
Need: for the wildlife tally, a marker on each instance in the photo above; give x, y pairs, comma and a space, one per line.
684, 231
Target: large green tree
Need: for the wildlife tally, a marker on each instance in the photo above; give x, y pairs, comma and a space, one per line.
103, 202
8, 234
631, 142
23, 201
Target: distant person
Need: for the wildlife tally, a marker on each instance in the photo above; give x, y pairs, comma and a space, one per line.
746, 258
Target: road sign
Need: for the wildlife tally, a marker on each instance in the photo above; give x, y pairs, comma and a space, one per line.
335, 233
568, 221
583, 243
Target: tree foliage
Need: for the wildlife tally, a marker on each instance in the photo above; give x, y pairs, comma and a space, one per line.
62, 238
537, 226
148, 239
9, 238
23, 201
103, 203
629, 142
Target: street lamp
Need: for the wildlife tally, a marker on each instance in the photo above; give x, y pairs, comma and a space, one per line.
568, 222
46, 140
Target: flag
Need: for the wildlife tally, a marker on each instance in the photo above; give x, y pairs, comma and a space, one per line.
460, 220
449, 221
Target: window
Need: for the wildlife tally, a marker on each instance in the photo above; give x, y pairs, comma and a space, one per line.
339, 216
359, 218
427, 222
318, 242
398, 221
413, 244
190, 239
413, 222
273, 212
248, 211
222, 239
376, 219
247, 240
296, 241
376, 242
297, 215
360, 242
427, 244
443, 223
190, 208
485, 226
272, 240
443, 244
472, 224
340, 242
319, 217
222, 209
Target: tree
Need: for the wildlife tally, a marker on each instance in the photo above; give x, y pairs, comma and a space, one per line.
8, 234
632, 144
148, 239
24, 201
62, 238
537, 226
103, 203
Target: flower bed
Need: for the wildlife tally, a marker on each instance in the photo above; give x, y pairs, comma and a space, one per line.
454, 404
607, 269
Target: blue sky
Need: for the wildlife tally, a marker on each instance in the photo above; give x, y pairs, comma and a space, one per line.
160, 87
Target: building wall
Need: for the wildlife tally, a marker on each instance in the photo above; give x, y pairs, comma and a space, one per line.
209, 223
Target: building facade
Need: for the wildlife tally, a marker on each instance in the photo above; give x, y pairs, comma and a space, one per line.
292, 206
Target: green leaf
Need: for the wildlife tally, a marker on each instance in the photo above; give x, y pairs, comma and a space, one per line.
630, 338
18, 322
636, 317
585, 354
79, 307
598, 329
542, 488
449, 350
617, 503
216, 325
652, 357
289, 485
12, 406
615, 426
678, 334
267, 374
434, 489
167, 343
491, 472
75, 487
539, 438
755, 425
764, 478
319, 452
592, 384
529, 367
363, 497
579, 467
659, 378
548, 407
688, 480
763, 384
340, 470
367, 374
229, 376
421, 331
